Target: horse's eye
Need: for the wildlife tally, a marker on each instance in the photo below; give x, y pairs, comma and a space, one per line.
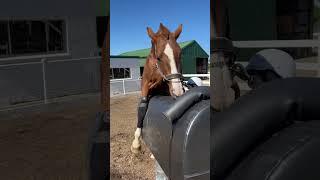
158, 59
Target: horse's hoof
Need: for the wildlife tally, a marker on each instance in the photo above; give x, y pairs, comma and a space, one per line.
151, 156
135, 150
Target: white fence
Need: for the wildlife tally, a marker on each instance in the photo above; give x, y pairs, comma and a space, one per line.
308, 66
124, 86
129, 86
305, 64
43, 80
197, 75
205, 82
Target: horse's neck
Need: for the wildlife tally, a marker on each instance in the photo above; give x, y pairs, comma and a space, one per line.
151, 57
221, 81
154, 80
152, 53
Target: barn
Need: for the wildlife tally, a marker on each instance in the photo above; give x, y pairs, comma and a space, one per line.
124, 74
194, 58
50, 51
50, 77
273, 20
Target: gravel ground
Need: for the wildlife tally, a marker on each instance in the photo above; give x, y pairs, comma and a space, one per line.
125, 165
46, 142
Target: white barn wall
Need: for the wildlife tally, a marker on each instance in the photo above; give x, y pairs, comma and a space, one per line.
124, 86
22, 76
82, 36
132, 63
49, 7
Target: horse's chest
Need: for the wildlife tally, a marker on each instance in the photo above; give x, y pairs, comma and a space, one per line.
161, 88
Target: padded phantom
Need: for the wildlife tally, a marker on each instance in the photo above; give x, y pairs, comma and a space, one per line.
264, 134
177, 131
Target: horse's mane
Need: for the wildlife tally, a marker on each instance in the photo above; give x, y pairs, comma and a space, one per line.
152, 51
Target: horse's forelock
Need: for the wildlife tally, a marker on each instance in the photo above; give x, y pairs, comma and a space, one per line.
162, 35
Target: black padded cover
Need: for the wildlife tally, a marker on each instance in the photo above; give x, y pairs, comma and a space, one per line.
255, 117
177, 131
291, 154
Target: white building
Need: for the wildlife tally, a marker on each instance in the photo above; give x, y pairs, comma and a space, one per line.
50, 49
124, 75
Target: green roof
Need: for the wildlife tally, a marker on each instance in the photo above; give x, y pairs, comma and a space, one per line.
142, 53
119, 56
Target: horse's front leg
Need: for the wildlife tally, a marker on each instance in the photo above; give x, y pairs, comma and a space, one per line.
142, 109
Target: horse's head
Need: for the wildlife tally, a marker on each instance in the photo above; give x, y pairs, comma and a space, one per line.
166, 52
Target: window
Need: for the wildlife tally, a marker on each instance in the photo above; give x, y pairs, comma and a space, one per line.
31, 37
294, 21
141, 71
120, 73
202, 65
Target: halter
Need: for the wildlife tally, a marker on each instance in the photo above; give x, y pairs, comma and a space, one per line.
224, 45
169, 77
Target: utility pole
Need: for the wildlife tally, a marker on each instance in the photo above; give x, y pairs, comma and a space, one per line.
104, 69
221, 47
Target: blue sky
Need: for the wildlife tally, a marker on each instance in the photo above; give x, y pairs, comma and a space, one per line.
130, 18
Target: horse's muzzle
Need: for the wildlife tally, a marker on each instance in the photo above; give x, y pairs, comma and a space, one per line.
176, 89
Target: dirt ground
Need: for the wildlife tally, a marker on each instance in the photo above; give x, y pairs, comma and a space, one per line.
123, 164
46, 142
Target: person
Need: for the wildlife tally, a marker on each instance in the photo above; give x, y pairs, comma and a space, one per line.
268, 65
192, 82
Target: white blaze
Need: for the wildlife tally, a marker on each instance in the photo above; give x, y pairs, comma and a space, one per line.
177, 87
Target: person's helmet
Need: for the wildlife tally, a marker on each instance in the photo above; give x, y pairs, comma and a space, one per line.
270, 64
194, 81
274, 60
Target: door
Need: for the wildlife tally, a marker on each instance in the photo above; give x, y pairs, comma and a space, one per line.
202, 66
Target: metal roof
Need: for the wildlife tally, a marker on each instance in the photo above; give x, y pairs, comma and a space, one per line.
143, 53
187, 48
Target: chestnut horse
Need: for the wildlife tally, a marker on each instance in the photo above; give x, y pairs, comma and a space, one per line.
161, 74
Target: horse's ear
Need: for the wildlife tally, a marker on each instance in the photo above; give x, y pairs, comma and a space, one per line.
164, 29
161, 26
177, 32
151, 34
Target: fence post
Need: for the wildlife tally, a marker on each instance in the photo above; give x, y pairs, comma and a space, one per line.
124, 88
318, 57
44, 77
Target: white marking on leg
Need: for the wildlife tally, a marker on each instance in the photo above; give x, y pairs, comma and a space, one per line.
136, 141
137, 134
151, 156
176, 84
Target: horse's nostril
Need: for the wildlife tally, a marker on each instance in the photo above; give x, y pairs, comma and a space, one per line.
176, 94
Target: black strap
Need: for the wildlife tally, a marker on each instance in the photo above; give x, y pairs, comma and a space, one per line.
174, 76
170, 76
142, 110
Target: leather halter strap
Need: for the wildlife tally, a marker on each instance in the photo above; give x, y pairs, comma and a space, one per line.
169, 77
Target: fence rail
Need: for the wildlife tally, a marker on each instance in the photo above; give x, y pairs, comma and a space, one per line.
124, 86
45, 79
314, 43
196, 75
129, 86
277, 43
